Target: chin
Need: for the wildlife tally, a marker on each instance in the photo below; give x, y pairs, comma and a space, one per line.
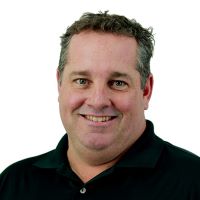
97, 144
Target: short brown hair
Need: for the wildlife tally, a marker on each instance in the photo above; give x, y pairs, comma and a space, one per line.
116, 24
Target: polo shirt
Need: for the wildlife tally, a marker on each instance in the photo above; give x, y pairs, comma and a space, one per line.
152, 169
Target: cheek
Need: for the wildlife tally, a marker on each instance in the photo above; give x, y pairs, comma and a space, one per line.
124, 103
70, 101
129, 104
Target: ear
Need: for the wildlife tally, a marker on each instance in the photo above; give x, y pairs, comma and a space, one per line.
58, 77
147, 92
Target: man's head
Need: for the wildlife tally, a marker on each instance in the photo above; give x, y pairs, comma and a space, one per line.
101, 99
115, 24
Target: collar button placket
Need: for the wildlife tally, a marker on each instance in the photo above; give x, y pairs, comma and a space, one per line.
83, 190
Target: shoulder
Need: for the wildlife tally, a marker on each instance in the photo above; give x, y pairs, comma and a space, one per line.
22, 167
180, 160
23, 177
175, 152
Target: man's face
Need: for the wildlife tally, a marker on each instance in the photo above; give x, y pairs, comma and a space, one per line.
100, 96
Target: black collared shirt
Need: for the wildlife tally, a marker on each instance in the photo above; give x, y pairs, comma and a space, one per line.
152, 169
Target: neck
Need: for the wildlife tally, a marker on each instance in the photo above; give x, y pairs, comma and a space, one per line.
85, 170
88, 163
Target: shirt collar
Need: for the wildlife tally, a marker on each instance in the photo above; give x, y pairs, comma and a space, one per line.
55, 158
144, 153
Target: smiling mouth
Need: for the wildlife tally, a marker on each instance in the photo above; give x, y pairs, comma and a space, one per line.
98, 118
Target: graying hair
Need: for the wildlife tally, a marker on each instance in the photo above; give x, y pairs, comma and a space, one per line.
116, 24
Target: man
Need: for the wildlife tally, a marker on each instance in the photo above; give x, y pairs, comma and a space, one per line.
110, 150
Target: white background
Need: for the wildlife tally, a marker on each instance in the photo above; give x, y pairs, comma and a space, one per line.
29, 53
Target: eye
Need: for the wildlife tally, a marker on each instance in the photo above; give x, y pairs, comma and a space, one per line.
81, 82
118, 84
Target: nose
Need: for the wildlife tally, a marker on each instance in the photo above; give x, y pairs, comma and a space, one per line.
99, 98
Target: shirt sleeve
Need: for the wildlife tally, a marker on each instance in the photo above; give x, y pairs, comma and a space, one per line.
3, 185
195, 191
8, 184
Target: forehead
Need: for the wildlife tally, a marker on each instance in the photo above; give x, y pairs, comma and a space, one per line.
100, 36
97, 50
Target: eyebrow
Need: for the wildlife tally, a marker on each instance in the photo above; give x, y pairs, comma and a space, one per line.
121, 75
82, 73
115, 74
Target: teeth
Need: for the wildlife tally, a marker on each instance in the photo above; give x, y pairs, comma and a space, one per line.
97, 119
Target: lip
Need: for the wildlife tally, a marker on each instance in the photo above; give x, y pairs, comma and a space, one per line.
99, 123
